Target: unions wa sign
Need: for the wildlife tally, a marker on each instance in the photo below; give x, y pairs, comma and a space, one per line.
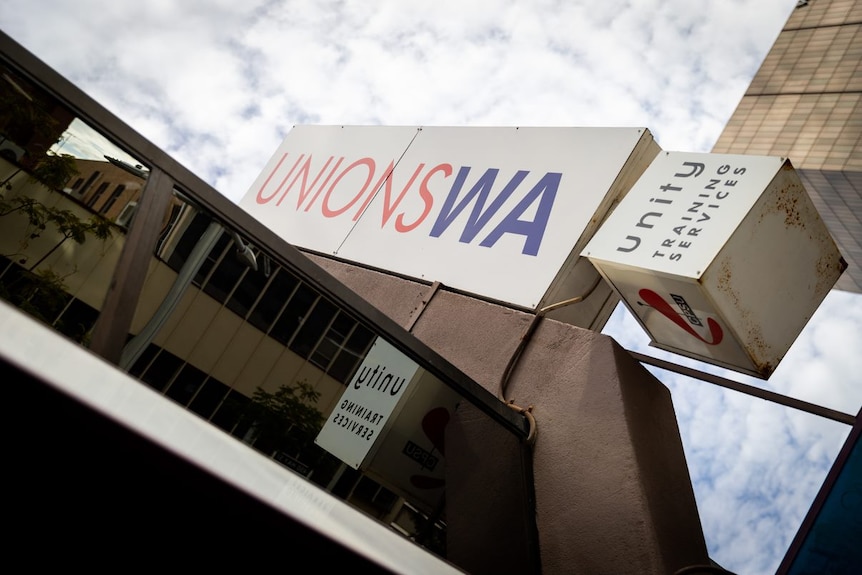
497, 212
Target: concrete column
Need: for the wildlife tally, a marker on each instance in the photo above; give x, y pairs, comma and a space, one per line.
489, 497
612, 488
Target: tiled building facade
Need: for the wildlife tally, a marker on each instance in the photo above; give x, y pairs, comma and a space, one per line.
805, 103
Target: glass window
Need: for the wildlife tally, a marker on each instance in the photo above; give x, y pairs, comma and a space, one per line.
77, 320
115, 195
186, 384
40, 293
211, 259
89, 183
209, 397
373, 497
162, 369
226, 275
313, 328
279, 291
45, 149
249, 288
188, 237
97, 194
351, 354
228, 414
143, 362
335, 337
293, 314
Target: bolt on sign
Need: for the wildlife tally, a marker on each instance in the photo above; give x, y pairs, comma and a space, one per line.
501, 213
722, 258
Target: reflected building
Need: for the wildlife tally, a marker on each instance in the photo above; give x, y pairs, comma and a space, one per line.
240, 325
805, 103
235, 329
107, 188
31, 121
240, 330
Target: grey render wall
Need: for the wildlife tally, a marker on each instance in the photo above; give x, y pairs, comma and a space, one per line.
612, 488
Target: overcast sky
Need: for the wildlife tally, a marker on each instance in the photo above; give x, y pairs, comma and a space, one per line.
218, 84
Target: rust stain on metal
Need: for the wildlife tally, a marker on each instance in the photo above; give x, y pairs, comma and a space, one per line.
758, 348
725, 275
790, 201
755, 344
765, 369
786, 202
829, 267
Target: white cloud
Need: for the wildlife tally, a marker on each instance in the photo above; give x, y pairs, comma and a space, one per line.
177, 70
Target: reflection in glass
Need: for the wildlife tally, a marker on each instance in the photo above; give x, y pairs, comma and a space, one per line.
248, 345
63, 210
219, 328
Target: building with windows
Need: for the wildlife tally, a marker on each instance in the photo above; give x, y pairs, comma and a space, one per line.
244, 323
805, 103
107, 188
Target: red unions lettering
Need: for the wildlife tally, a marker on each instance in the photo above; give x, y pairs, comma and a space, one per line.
336, 202
369, 163
260, 197
427, 198
303, 171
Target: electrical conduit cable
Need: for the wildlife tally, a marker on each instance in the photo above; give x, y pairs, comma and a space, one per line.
527, 412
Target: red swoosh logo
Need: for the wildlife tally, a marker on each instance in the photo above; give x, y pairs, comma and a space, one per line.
434, 426
658, 303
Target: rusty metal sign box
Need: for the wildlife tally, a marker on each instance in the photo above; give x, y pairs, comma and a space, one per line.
722, 258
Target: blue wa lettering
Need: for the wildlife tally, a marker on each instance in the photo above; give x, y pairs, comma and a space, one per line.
533, 230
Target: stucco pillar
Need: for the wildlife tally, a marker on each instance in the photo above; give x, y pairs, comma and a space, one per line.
489, 497
612, 488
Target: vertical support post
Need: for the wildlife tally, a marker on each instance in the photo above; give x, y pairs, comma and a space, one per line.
118, 309
490, 506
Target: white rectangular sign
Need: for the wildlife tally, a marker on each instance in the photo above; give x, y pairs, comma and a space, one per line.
365, 407
492, 211
682, 210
